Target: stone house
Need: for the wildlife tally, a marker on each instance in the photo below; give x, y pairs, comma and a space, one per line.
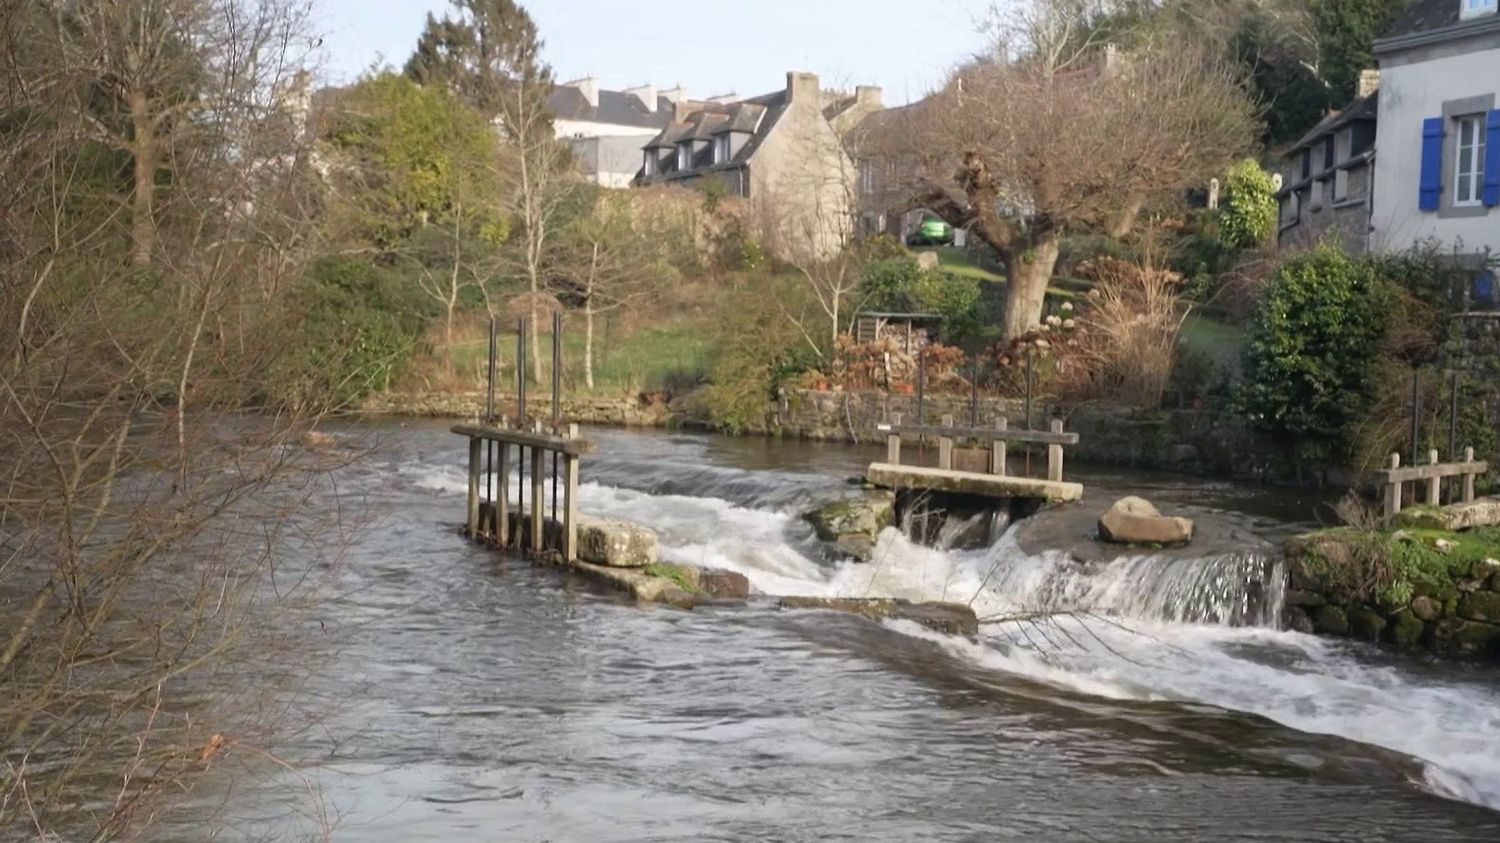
1438, 137
783, 152
606, 128
1326, 183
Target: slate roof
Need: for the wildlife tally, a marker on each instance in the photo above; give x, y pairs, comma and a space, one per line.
1364, 108
616, 107
756, 115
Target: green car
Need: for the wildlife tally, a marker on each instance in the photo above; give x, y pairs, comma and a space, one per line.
931, 232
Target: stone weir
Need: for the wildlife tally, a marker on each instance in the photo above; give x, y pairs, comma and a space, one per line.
618, 554
1428, 581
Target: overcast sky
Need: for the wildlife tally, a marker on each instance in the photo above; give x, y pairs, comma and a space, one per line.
709, 46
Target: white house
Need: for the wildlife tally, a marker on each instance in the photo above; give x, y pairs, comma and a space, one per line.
606, 128
1437, 173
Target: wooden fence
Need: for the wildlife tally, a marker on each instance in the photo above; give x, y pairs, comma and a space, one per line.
1393, 480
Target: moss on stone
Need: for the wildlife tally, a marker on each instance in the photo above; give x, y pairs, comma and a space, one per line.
1389, 567
1405, 630
1366, 623
676, 573
1480, 606
1331, 620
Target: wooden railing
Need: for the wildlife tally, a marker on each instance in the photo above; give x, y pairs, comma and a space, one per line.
489, 483
998, 438
1394, 479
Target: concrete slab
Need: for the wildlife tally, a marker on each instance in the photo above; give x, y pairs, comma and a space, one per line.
971, 483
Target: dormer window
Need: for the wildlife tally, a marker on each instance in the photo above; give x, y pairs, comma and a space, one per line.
685, 155
721, 148
1476, 8
649, 168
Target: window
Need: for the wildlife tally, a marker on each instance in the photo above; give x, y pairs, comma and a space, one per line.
721, 148
685, 155
1306, 163
650, 166
867, 176
1469, 172
1328, 153
1475, 8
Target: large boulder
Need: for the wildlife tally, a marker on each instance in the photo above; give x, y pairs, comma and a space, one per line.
616, 544
1134, 520
1483, 512
947, 618
853, 525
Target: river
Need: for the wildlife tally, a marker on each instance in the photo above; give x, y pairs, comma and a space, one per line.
480, 698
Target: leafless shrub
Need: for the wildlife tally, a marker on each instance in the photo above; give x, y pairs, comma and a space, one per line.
1130, 329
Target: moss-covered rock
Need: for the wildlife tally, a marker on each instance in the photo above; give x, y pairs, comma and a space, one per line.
1366, 623
1469, 638
1405, 630
854, 524
1426, 608
1331, 620
1480, 606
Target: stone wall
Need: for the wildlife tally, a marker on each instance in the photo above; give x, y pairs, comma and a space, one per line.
619, 411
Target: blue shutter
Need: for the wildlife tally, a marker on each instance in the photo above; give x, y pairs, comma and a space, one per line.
1432, 164
1492, 160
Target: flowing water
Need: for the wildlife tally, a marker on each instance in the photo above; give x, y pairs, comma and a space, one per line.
482, 698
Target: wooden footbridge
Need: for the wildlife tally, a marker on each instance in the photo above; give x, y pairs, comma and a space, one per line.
996, 481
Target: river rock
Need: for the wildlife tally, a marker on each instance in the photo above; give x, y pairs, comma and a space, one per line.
1331, 620
1366, 623
854, 524
1134, 520
1469, 638
1483, 512
1480, 606
616, 544
1426, 608
948, 618
721, 584
1405, 630
1297, 620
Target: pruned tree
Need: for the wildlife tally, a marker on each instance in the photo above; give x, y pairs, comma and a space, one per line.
1042, 140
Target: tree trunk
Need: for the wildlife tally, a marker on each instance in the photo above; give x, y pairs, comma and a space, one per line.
588, 344
1028, 273
1128, 215
142, 223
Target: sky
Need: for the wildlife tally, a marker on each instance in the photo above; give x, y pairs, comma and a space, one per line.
710, 47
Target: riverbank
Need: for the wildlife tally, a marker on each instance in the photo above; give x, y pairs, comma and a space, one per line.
1191, 441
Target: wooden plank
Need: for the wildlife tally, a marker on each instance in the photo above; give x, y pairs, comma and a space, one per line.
545, 441
997, 448
970, 483
570, 502
502, 497
1055, 455
1392, 488
893, 449
1434, 484
476, 449
538, 488
1468, 493
1425, 472
1040, 437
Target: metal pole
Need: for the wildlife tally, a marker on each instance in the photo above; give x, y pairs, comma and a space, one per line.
521, 420
489, 404
1416, 411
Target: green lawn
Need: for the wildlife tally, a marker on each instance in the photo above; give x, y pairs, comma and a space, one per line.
1223, 343
647, 358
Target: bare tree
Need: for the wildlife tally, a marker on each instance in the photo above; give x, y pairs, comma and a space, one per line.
1057, 134
142, 520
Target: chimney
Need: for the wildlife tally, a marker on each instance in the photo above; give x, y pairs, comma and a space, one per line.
802, 87
646, 94
1369, 83
869, 95
675, 95
589, 87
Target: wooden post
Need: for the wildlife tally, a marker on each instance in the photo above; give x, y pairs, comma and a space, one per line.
1469, 477
1435, 482
1393, 489
476, 449
538, 488
570, 502
502, 497
945, 447
1055, 455
997, 448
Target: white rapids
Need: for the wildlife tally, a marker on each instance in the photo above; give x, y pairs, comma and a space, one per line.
1144, 628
